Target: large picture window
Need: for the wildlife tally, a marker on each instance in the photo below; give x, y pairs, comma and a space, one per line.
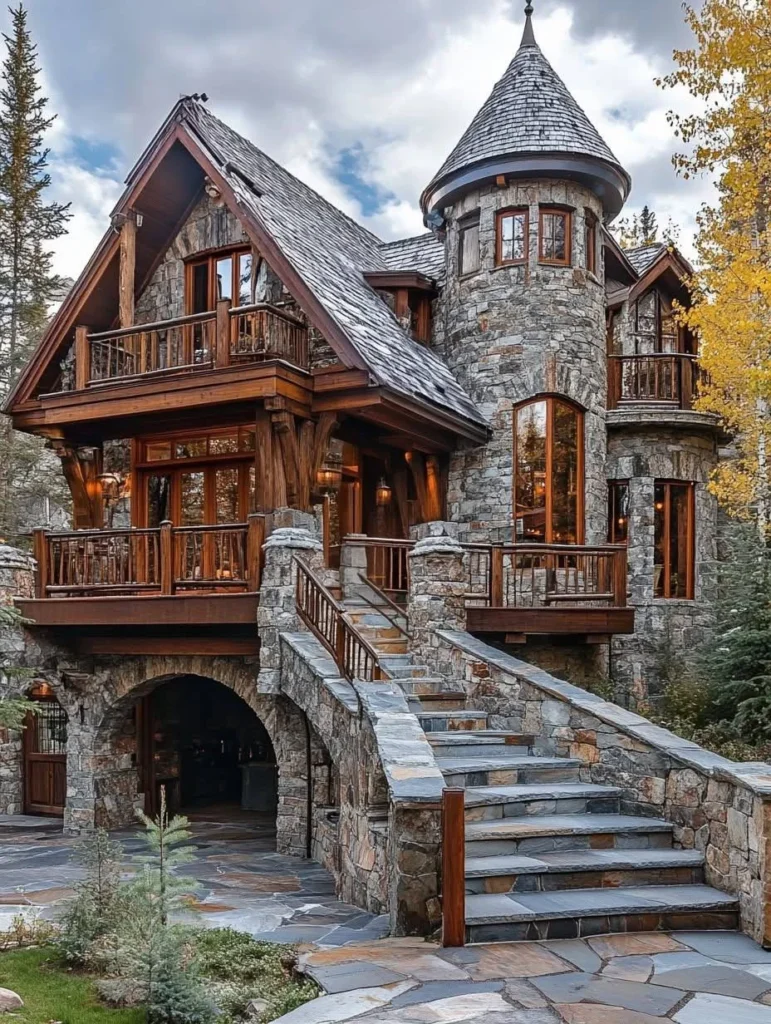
548, 472
674, 548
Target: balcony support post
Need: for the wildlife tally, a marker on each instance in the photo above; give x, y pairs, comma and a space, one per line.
255, 538
127, 270
82, 358
453, 868
167, 558
40, 553
222, 334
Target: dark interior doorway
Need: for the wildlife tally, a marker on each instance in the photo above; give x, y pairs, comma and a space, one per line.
207, 748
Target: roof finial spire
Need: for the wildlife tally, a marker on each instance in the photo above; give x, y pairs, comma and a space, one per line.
528, 38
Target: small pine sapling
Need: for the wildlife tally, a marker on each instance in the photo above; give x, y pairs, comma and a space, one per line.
159, 879
94, 912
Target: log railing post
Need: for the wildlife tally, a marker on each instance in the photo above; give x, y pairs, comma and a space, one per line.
167, 558
82, 358
453, 868
496, 577
40, 553
620, 578
222, 334
255, 538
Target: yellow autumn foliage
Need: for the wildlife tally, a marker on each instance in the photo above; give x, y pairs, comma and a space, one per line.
729, 72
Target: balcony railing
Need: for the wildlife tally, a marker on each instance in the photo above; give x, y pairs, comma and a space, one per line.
188, 344
661, 378
164, 561
515, 575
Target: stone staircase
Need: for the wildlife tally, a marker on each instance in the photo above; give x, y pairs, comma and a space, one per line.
548, 853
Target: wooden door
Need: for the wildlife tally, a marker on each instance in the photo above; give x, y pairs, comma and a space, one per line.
45, 759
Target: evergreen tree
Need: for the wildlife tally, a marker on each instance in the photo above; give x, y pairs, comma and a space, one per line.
649, 229
92, 916
642, 229
160, 881
28, 286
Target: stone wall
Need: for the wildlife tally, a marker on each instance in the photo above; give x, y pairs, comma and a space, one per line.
718, 807
512, 333
665, 629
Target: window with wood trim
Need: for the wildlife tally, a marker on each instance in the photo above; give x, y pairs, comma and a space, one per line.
549, 472
226, 274
469, 260
512, 237
590, 241
554, 244
674, 540
618, 511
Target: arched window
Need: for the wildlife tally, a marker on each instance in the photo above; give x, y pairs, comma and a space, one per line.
549, 472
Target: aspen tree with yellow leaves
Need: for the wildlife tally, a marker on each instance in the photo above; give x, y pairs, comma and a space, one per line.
729, 72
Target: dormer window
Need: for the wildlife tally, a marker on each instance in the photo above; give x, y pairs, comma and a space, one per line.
512, 237
554, 244
468, 245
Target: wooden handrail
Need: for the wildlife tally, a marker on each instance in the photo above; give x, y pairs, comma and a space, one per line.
453, 868
276, 310
667, 377
156, 325
325, 617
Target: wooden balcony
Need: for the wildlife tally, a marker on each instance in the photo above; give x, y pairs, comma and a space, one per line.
166, 577
524, 589
190, 344
660, 379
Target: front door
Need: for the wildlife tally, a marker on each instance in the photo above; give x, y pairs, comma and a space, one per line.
45, 757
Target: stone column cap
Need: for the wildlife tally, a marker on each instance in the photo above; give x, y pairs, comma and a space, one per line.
15, 558
293, 537
441, 544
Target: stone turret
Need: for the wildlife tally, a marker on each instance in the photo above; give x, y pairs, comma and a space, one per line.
514, 329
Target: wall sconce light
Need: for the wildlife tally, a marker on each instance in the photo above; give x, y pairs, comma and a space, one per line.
329, 478
383, 493
213, 192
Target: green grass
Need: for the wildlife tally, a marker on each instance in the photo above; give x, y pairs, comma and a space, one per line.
53, 993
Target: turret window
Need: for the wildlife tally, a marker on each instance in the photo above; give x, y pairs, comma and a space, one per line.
512, 237
548, 472
674, 548
590, 241
555, 231
468, 245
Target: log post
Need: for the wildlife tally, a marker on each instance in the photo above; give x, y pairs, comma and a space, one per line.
40, 553
255, 538
127, 271
167, 558
222, 335
453, 868
82, 358
496, 577
340, 642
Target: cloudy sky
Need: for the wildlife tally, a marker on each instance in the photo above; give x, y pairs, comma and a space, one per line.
363, 100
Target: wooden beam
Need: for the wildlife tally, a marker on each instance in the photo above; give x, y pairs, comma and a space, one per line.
417, 464
284, 429
453, 868
156, 611
574, 622
222, 334
399, 478
82, 358
127, 270
82, 478
201, 645
263, 462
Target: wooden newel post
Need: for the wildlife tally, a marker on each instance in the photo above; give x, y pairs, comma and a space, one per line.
222, 337
167, 558
453, 868
340, 642
40, 553
496, 577
82, 358
255, 538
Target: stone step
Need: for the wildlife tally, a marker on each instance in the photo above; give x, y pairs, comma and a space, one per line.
380, 633
402, 665
495, 802
452, 723
581, 912
507, 771
440, 701
417, 686
583, 869
560, 832
479, 744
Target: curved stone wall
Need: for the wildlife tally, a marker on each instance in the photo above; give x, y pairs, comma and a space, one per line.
512, 333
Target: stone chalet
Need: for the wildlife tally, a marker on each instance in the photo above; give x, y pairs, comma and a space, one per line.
355, 520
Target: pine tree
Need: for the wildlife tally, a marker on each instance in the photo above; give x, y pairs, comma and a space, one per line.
164, 836
94, 912
642, 229
28, 225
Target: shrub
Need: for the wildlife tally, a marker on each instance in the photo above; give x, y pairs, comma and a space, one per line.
94, 912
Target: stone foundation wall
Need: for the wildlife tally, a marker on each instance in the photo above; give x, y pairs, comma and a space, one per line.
717, 806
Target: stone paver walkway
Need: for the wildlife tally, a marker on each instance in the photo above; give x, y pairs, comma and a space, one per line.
238, 879
644, 978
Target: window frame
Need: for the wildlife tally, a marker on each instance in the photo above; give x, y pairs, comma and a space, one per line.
501, 215
614, 486
666, 567
551, 401
567, 215
590, 241
210, 258
466, 223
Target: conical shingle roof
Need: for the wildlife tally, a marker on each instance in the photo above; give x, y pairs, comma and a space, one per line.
529, 113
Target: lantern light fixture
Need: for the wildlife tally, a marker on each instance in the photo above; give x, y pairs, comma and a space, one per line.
383, 493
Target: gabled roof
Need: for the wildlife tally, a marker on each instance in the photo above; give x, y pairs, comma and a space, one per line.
643, 256
424, 253
327, 253
529, 112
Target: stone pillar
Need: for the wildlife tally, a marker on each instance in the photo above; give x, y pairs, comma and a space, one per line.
437, 595
17, 579
277, 611
353, 566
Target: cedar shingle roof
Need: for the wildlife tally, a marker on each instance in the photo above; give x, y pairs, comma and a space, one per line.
331, 252
530, 110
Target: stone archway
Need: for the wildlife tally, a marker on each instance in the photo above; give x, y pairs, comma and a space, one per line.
103, 778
